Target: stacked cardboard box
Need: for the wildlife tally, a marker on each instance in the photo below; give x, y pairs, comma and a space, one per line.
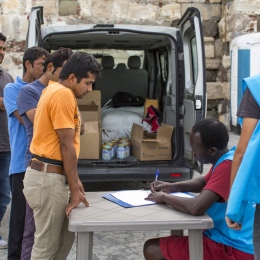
90, 141
151, 146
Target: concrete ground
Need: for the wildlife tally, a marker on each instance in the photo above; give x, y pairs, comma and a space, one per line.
113, 245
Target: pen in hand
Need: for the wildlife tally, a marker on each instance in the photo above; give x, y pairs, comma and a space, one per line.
156, 175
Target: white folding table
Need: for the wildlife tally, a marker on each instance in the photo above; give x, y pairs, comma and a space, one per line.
104, 215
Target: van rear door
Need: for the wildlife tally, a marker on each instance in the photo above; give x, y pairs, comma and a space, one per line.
194, 97
35, 18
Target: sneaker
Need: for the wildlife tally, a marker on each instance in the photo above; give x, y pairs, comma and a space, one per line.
3, 244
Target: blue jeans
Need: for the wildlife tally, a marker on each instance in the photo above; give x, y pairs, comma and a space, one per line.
257, 232
5, 158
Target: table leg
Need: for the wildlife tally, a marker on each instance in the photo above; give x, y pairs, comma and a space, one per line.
195, 244
84, 245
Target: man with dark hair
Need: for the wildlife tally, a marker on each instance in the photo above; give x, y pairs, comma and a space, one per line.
27, 101
33, 62
55, 149
208, 139
5, 153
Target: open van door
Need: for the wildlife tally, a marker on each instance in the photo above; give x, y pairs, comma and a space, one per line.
193, 55
34, 29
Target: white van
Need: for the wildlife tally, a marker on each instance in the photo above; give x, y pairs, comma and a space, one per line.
155, 62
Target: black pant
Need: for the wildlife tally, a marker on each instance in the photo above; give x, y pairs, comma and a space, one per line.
17, 217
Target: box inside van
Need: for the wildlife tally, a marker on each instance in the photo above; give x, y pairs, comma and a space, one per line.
163, 64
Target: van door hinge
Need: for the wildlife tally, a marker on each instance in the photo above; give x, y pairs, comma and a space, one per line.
181, 110
180, 56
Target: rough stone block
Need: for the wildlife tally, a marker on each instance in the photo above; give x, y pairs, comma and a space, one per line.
209, 51
237, 22
218, 48
170, 12
207, 10
139, 12
68, 8
85, 8
245, 6
191, 1
218, 90
213, 64
210, 28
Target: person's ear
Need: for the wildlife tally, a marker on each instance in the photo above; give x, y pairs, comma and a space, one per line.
72, 79
28, 64
213, 150
50, 67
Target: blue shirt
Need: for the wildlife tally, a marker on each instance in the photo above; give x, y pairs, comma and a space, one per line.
17, 133
28, 99
239, 239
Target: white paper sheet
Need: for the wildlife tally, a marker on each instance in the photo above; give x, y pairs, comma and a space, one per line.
137, 197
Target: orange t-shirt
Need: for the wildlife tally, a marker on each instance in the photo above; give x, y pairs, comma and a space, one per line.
57, 109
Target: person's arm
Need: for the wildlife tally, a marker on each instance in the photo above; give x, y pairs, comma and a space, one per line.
193, 185
248, 127
2, 106
31, 114
82, 126
195, 206
69, 158
19, 118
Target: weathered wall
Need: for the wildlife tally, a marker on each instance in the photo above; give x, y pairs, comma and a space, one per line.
223, 20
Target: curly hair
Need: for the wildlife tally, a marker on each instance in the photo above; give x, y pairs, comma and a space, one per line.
213, 133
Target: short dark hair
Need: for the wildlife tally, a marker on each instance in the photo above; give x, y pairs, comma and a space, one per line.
213, 133
57, 58
32, 54
80, 64
2, 37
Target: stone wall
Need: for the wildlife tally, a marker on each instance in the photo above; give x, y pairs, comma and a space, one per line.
223, 20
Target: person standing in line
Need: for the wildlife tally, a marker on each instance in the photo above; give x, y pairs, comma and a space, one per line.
245, 173
5, 153
33, 63
55, 149
27, 101
208, 139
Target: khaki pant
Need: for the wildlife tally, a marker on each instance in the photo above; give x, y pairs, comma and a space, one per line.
48, 194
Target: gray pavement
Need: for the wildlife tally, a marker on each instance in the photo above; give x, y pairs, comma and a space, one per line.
113, 245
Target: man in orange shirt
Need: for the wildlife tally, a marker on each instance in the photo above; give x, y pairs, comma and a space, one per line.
55, 149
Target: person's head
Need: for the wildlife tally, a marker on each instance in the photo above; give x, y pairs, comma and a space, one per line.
33, 62
79, 73
2, 47
54, 63
209, 139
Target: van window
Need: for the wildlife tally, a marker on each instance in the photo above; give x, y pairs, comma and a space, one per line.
163, 66
194, 57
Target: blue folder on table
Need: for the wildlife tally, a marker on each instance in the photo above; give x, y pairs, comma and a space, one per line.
108, 196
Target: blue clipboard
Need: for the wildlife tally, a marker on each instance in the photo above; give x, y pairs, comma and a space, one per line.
108, 196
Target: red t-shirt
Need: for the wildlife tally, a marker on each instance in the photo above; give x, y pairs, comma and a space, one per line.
219, 180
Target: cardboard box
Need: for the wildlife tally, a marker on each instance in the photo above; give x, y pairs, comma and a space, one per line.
90, 141
151, 146
149, 102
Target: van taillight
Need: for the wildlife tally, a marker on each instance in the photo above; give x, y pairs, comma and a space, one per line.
175, 175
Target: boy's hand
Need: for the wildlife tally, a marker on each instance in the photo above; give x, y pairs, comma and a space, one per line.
156, 197
232, 224
160, 186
